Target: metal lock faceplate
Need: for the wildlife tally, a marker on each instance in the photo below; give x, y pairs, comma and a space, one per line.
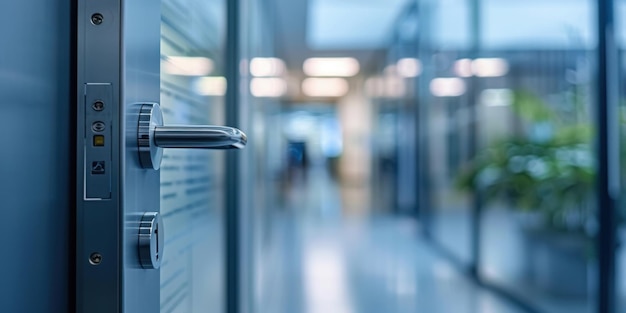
98, 148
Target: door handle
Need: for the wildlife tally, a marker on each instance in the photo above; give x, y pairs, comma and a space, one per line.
153, 136
199, 137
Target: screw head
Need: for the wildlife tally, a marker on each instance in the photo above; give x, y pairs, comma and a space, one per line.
95, 258
98, 105
97, 19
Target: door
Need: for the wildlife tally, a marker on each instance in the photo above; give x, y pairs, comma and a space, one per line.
125, 67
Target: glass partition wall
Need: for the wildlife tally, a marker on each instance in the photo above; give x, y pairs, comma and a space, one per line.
257, 66
509, 145
445, 104
394, 99
535, 168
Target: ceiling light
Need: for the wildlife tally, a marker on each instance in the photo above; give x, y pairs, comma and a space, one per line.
211, 86
447, 87
331, 67
270, 87
325, 87
264, 67
463, 68
490, 67
187, 66
409, 67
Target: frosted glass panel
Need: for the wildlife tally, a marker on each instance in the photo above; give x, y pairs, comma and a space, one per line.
192, 90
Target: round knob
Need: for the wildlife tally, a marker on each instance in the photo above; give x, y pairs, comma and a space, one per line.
151, 240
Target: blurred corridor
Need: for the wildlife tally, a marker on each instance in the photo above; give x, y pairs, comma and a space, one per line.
326, 258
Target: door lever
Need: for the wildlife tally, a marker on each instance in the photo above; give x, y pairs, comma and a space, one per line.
153, 136
199, 137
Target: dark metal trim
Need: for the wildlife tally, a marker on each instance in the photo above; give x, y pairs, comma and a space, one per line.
73, 111
607, 145
476, 206
232, 196
424, 202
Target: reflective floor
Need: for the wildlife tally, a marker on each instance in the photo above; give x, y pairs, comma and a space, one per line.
329, 259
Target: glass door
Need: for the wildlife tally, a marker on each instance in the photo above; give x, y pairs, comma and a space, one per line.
192, 182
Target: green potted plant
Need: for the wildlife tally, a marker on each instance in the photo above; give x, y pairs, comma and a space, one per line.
548, 181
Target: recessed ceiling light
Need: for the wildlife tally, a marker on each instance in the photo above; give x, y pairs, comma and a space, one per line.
447, 87
490, 67
463, 68
409, 67
266, 67
331, 67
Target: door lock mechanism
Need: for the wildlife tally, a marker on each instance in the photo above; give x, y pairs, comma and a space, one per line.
151, 240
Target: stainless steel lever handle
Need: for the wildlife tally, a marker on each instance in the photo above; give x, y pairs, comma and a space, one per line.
201, 137
153, 136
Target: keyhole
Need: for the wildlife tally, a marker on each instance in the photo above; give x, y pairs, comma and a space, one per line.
156, 233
